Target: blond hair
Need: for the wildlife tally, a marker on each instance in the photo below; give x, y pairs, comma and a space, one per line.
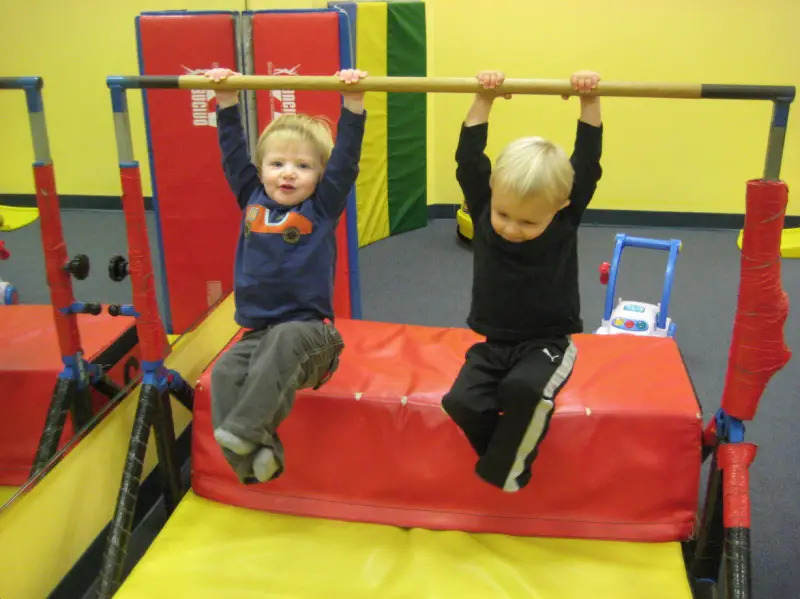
314, 130
533, 166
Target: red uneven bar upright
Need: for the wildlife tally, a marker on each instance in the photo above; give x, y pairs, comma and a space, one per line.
758, 349
152, 338
55, 256
734, 459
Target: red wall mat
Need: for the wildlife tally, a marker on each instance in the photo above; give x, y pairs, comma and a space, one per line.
198, 216
29, 364
621, 459
303, 43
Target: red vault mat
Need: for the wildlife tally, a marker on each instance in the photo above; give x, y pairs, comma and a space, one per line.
303, 43
621, 459
198, 216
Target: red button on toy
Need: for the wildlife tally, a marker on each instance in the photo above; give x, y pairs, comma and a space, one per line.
628, 324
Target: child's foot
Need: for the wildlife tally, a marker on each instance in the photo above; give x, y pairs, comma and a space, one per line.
265, 465
230, 441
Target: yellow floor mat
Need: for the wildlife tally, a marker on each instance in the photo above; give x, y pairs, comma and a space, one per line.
211, 550
14, 217
790, 243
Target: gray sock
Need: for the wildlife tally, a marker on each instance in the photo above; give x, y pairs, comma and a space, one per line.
236, 444
265, 465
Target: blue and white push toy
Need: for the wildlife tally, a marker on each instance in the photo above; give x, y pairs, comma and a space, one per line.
631, 317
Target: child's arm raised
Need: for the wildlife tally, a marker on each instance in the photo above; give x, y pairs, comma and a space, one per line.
342, 168
584, 82
588, 144
482, 103
474, 169
352, 101
241, 173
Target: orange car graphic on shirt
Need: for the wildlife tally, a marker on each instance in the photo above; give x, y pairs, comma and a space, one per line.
291, 227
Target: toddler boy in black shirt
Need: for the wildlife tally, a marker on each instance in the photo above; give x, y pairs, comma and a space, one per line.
525, 298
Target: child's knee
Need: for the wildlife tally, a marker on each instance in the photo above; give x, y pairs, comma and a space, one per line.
518, 391
454, 406
221, 374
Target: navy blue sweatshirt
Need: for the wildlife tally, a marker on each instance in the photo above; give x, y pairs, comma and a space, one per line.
528, 290
286, 255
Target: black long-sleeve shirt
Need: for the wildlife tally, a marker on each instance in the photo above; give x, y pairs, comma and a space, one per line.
528, 290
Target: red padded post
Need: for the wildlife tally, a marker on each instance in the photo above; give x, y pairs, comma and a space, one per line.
55, 257
152, 338
734, 460
757, 347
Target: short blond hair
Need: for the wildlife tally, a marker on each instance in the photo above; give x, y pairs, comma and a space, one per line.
314, 130
534, 166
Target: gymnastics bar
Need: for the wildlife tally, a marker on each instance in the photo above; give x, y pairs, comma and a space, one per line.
720, 538
463, 85
73, 386
780, 95
158, 383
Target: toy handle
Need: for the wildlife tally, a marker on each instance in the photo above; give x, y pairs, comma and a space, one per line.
673, 246
648, 244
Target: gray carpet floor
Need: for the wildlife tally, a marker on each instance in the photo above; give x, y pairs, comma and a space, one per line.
423, 277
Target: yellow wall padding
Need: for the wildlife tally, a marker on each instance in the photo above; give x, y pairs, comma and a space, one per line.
372, 185
663, 155
673, 155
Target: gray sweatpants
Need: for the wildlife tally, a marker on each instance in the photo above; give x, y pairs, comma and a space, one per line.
253, 384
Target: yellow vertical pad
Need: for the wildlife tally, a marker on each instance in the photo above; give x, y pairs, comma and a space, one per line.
372, 185
218, 551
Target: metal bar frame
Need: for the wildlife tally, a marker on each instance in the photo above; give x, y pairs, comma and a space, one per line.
703, 554
781, 95
71, 392
153, 408
559, 87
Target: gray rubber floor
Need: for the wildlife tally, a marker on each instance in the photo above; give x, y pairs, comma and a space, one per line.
423, 277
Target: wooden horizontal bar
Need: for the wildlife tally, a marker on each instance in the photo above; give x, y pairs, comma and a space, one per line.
440, 85
467, 85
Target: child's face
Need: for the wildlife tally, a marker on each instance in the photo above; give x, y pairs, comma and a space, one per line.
521, 219
290, 171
